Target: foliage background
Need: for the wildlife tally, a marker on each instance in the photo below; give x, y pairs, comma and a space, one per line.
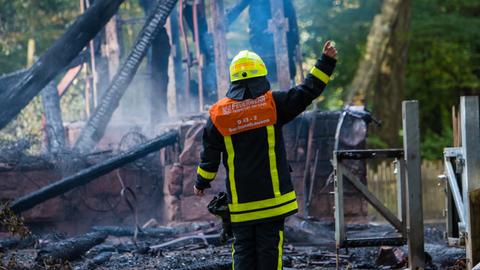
443, 59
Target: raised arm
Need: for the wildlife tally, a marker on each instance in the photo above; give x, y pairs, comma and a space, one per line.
296, 100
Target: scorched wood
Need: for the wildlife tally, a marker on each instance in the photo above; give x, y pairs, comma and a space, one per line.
97, 123
128, 231
89, 174
63, 51
71, 248
236, 10
54, 130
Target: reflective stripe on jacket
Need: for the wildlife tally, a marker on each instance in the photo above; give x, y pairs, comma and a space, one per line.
249, 142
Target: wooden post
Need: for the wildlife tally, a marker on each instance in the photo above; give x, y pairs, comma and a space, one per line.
176, 54
171, 87
198, 56
411, 144
469, 115
54, 130
112, 48
220, 46
278, 25
93, 65
160, 52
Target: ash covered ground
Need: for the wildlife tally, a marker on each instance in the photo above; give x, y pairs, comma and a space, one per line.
309, 245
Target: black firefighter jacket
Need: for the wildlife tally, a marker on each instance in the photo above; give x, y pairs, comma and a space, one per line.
258, 180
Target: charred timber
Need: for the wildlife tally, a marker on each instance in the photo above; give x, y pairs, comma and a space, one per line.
369, 153
128, 231
10, 79
236, 10
71, 248
17, 242
89, 174
55, 132
97, 123
62, 52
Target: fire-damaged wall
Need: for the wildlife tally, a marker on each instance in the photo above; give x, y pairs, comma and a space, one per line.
97, 203
163, 182
182, 205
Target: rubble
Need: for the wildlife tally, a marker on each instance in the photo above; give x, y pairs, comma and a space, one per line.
391, 256
309, 244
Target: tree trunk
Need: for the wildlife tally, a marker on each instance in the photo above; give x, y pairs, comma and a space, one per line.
54, 130
380, 76
63, 51
390, 86
97, 123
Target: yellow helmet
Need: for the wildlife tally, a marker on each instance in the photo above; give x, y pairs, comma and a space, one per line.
246, 65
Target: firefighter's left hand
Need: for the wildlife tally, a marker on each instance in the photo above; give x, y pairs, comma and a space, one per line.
198, 192
330, 50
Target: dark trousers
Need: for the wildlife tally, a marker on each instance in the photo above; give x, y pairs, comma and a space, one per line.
258, 246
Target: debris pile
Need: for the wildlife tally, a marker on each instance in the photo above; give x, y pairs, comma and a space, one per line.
309, 244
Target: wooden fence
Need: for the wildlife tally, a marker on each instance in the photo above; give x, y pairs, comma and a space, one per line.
382, 182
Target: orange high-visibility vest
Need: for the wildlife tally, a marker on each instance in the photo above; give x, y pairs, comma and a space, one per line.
231, 116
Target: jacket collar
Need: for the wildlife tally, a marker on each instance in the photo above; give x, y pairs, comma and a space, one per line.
250, 88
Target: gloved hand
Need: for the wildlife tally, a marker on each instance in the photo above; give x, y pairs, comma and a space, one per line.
197, 191
219, 207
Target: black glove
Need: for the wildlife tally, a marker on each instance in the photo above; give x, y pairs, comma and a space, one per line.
219, 207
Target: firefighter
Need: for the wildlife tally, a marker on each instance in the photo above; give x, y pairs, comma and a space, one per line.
244, 131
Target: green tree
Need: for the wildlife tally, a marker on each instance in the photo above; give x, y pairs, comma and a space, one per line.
443, 64
42, 21
347, 22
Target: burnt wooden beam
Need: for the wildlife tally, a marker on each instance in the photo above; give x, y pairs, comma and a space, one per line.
120, 231
278, 25
87, 175
54, 130
62, 52
368, 153
6, 80
236, 10
97, 123
220, 46
71, 248
159, 77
